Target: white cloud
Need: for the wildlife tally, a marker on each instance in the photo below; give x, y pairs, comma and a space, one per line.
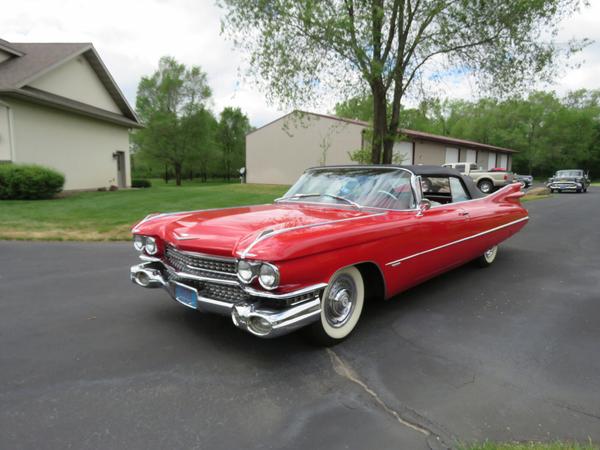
131, 37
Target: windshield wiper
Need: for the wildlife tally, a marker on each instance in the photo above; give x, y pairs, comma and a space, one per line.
317, 194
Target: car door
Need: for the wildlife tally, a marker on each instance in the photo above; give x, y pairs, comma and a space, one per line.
433, 244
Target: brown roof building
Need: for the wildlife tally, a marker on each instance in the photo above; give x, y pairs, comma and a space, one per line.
281, 150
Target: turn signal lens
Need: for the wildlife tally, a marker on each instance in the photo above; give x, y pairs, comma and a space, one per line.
268, 276
244, 271
138, 242
151, 247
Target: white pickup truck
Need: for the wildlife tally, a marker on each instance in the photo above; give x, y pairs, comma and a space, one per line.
486, 181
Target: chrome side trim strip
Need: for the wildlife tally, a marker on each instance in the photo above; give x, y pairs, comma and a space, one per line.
306, 290
397, 262
260, 238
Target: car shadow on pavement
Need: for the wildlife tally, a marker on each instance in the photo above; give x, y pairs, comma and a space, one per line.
218, 331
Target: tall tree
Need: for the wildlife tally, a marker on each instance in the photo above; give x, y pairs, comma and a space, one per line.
167, 102
303, 48
231, 134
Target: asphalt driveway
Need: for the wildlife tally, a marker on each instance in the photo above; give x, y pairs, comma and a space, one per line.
88, 360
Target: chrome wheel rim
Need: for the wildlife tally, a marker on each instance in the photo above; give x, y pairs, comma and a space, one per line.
490, 255
340, 301
485, 188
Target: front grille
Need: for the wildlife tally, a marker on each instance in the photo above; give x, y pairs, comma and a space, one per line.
225, 293
221, 292
204, 266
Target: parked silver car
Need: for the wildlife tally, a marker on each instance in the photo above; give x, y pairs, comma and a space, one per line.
525, 180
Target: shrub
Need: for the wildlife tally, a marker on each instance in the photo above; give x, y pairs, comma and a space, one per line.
29, 182
141, 183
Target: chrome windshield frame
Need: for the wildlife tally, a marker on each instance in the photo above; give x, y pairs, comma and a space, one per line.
415, 185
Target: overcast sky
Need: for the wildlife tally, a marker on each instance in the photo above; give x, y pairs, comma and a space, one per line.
132, 36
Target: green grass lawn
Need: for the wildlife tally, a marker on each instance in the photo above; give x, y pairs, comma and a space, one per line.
100, 216
530, 446
110, 215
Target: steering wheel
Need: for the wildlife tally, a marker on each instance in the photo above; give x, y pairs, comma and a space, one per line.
388, 194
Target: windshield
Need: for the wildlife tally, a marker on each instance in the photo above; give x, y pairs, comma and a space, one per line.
361, 186
569, 173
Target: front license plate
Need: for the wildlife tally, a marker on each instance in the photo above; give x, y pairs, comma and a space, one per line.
186, 296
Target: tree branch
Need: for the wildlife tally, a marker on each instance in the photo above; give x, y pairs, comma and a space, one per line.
359, 54
388, 46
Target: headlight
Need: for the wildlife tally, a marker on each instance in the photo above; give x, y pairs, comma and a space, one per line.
268, 276
138, 242
245, 271
151, 247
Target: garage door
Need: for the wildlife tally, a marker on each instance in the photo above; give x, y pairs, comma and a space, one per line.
403, 153
491, 160
451, 155
503, 161
471, 156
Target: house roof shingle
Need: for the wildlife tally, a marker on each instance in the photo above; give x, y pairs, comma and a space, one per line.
8, 48
36, 59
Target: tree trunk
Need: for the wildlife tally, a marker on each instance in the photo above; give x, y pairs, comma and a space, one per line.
166, 173
392, 130
178, 174
379, 122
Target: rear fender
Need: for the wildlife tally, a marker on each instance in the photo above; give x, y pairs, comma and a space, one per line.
511, 193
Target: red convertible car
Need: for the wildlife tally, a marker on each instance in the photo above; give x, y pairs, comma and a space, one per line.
339, 237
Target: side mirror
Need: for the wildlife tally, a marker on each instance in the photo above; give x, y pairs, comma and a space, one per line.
424, 205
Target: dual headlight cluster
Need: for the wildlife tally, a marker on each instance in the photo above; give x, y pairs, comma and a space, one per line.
146, 243
267, 274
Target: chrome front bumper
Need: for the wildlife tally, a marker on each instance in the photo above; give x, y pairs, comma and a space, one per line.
250, 315
567, 185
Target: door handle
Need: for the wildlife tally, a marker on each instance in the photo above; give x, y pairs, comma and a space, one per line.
463, 213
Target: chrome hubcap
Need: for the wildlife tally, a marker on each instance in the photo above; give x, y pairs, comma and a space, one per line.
491, 253
340, 301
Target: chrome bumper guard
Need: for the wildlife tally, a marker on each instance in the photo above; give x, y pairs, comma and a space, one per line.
250, 316
564, 185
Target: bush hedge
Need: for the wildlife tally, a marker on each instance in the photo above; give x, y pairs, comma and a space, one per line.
29, 182
141, 183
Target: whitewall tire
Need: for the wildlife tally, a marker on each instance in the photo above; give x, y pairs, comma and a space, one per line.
488, 258
341, 306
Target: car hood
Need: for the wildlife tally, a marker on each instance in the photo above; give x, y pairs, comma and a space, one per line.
246, 231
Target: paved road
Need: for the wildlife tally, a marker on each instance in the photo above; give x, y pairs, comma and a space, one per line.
511, 352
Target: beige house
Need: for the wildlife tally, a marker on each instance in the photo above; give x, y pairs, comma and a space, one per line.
60, 107
280, 151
